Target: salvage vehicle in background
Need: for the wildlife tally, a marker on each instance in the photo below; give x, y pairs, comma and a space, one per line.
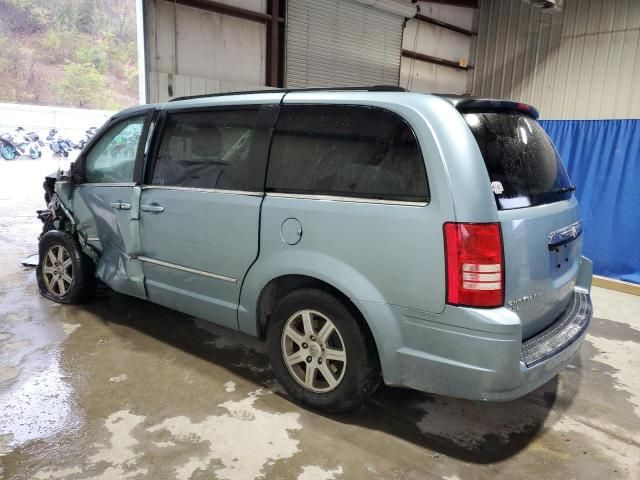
366, 234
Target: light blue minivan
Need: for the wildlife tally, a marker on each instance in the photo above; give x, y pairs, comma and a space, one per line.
367, 234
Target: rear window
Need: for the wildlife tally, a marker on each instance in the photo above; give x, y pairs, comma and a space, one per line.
346, 150
523, 164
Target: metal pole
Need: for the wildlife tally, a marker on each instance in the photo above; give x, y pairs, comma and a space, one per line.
142, 55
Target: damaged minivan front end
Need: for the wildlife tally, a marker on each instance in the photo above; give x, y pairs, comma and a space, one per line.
58, 189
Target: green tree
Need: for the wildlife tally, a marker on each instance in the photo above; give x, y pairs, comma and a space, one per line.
69, 52
81, 85
85, 17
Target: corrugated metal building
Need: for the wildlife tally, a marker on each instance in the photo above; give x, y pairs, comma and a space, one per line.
576, 64
192, 47
583, 63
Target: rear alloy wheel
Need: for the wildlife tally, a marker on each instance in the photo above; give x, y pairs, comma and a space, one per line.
321, 351
314, 351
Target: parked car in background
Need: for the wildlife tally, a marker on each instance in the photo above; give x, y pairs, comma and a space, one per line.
367, 235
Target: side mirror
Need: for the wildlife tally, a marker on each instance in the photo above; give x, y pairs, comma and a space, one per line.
75, 173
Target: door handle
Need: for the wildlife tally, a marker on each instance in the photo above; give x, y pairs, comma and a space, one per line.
152, 208
121, 205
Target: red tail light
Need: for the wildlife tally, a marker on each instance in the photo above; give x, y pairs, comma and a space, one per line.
475, 265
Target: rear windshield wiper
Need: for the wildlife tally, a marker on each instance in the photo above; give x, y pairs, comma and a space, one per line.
565, 189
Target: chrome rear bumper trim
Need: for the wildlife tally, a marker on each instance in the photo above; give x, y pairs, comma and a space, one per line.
562, 333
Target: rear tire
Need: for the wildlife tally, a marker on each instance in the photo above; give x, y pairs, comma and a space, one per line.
65, 274
331, 360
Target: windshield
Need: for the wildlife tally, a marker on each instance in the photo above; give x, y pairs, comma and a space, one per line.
523, 164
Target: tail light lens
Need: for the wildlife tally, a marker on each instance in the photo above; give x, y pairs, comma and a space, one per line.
475, 264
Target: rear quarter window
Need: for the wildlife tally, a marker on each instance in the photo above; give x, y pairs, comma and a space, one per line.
523, 164
346, 150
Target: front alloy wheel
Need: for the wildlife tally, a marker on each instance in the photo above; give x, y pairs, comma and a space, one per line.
313, 351
65, 273
57, 270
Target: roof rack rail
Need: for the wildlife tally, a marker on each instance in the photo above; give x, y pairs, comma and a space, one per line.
371, 88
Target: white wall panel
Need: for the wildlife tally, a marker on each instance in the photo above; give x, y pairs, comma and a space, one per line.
459, 16
420, 76
183, 85
581, 64
215, 52
439, 42
435, 41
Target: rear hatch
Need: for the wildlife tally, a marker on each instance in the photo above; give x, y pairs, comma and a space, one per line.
538, 212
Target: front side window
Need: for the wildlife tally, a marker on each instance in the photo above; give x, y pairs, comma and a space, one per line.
346, 150
206, 150
112, 158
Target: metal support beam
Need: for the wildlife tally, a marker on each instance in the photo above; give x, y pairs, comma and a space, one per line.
228, 10
143, 62
448, 26
457, 3
438, 61
273, 44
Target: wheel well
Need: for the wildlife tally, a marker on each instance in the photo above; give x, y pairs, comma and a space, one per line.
279, 287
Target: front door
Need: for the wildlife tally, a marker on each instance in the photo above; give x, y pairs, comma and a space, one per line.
200, 211
105, 205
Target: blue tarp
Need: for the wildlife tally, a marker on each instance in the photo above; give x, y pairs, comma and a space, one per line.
603, 161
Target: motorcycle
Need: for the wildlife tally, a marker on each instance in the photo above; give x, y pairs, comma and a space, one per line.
57, 145
34, 137
88, 135
13, 146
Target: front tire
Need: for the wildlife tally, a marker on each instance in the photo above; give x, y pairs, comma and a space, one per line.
321, 353
65, 274
8, 152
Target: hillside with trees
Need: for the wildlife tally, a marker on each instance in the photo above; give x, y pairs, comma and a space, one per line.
72, 53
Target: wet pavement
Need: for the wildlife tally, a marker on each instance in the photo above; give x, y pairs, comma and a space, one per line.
119, 388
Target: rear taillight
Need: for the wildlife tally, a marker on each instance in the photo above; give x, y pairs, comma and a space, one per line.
475, 265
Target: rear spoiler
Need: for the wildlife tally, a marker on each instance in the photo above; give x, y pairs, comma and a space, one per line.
482, 105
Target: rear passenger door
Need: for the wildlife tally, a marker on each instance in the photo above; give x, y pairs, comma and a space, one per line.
200, 208
352, 181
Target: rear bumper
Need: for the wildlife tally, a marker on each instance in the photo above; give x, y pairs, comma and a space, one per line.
561, 334
479, 354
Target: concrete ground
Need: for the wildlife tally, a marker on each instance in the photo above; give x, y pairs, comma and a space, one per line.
122, 389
